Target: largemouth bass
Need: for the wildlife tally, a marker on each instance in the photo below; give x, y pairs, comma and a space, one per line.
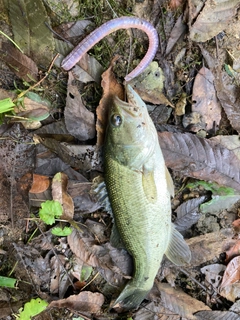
139, 188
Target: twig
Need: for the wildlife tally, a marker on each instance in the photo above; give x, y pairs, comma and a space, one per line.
38, 83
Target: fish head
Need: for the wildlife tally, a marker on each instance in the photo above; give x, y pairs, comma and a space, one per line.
131, 135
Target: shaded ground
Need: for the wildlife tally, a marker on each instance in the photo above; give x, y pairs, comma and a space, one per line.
199, 60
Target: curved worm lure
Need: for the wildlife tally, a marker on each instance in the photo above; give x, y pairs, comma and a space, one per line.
119, 23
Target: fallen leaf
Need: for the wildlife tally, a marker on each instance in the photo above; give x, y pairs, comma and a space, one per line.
188, 213
30, 32
85, 301
177, 32
219, 203
62, 8
216, 315
24, 67
205, 99
230, 142
236, 225
78, 119
155, 311
40, 183
208, 246
59, 193
200, 158
84, 246
227, 93
111, 88
233, 251
213, 18
59, 277
179, 302
230, 287
213, 274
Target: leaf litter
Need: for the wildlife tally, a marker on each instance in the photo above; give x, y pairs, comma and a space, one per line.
87, 251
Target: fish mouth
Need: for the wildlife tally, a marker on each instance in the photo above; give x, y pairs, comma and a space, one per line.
134, 105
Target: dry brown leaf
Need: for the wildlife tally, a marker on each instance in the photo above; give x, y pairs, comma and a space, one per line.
59, 278
236, 225
40, 183
111, 88
78, 119
178, 30
227, 93
230, 287
59, 193
213, 18
179, 302
216, 315
200, 158
205, 100
85, 301
24, 67
208, 246
233, 251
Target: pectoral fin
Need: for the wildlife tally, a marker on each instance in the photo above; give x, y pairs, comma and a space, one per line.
178, 251
149, 186
100, 191
170, 184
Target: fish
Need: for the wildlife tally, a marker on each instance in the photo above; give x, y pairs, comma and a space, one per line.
139, 188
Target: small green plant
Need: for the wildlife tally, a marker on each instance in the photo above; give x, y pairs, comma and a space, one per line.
66, 231
31, 309
8, 282
50, 211
6, 105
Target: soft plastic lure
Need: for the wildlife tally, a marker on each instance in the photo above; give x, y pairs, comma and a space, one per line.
109, 27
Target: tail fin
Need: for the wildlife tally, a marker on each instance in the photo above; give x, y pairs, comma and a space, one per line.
130, 298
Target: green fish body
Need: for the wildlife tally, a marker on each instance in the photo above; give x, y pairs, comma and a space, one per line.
139, 187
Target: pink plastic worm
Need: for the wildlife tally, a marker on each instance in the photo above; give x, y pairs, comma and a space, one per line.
119, 23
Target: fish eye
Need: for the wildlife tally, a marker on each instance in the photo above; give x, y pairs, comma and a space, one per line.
116, 120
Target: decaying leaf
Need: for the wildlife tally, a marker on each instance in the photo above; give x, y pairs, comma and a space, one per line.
227, 93
155, 311
179, 302
216, 315
59, 278
213, 18
85, 247
208, 246
30, 32
233, 251
40, 183
200, 158
230, 287
205, 100
149, 85
219, 203
236, 225
60, 8
230, 142
59, 193
85, 301
178, 31
188, 213
111, 88
24, 67
78, 119
213, 274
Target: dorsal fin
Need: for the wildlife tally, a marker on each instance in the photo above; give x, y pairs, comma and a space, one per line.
169, 180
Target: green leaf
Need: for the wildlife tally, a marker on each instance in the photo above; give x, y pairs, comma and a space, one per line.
7, 282
50, 211
219, 203
32, 308
86, 272
213, 187
57, 231
6, 105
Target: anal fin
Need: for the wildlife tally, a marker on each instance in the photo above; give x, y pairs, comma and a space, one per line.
178, 251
